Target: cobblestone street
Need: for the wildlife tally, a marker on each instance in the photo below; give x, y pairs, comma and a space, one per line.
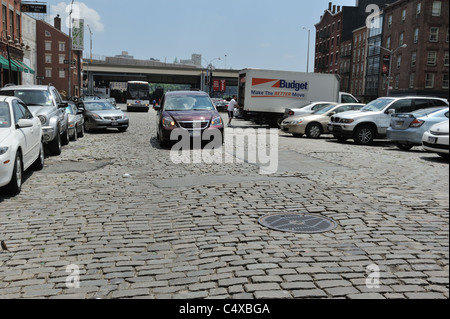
139, 226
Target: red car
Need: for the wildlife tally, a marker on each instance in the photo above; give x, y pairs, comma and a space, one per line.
191, 112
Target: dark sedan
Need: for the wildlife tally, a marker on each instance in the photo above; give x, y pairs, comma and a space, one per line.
101, 114
192, 112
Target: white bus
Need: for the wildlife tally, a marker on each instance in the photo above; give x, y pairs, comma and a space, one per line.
138, 96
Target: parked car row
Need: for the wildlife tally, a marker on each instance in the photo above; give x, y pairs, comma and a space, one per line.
34, 117
407, 121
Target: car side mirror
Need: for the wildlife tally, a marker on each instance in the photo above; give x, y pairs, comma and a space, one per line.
63, 105
390, 111
24, 123
331, 114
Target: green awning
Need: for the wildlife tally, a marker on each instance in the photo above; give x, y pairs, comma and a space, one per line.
26, 68
17, 65
5, 64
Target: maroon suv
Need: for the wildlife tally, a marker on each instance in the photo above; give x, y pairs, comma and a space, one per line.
190, 111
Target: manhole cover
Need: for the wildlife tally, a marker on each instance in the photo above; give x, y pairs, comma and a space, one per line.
300, 224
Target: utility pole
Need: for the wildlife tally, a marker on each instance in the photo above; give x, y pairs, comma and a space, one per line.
69, 90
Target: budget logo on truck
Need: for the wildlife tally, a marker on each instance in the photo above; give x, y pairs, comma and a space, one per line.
281, 84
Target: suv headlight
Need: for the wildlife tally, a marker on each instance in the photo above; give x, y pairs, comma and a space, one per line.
3, 150
347, 121
43, 119
216, 122
168, 122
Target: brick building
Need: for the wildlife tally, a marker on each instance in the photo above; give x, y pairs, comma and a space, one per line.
11, 43
52, 50
422, 68
359, 62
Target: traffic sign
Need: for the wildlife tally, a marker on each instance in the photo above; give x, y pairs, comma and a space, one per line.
73, 62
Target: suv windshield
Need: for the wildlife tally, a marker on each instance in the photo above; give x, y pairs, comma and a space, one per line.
5, 117
99, 106
324, 110
377, 105
188, 103
32, 97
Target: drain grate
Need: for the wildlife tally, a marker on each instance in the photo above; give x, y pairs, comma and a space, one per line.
298, 223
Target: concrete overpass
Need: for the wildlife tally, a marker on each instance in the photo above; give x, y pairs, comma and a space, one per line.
123, 70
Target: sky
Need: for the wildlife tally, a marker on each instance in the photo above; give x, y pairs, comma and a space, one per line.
242, 33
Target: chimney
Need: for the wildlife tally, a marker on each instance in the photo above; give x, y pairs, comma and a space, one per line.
58, 22
338, 8
334, 9
329, 5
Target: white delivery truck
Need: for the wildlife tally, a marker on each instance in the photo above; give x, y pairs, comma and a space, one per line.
264, 95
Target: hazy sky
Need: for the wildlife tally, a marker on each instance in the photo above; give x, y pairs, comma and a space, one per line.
250, 33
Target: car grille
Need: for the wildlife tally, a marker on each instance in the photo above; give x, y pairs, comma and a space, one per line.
189, 125
112, 118
439, 133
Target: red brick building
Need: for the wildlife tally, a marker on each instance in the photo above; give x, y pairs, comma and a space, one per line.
422, 68
11, 44
52, 50
359, 63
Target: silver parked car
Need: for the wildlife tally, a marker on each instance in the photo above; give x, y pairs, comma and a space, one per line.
46, 103
101, 114
76, 122
407, 129
437, 139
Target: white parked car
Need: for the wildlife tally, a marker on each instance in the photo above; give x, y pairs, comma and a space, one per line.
307, 109
436, 139
21, 143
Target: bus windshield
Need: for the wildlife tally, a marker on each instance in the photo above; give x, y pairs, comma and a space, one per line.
138, 91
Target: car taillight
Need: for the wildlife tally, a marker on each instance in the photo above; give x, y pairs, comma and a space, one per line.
416, 123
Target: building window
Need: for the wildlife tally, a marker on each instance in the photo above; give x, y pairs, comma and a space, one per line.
436, 11
388, 43
48, 45
397, 81
390, 21
403, 16
416, 35
418, 9
399, 61
48, 72
434, 34
446, 58
62, 74
431, 60
429, 80
62, 46
48, 34
400, 40
48, 58
61, 59
411, 80
445, 81
413, 58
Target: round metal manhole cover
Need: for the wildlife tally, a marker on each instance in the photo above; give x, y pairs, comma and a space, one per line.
298, 223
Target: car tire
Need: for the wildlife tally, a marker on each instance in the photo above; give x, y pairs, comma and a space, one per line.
65, 138
81, 134
15, 185
364, 135
86, 126
314, 130
38, 165
55, 146
404, 146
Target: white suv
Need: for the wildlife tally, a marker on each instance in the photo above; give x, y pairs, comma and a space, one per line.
373, 120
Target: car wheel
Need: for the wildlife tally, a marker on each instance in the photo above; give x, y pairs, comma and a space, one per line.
65, 138
86, 126
314, 130
404, 147
55, 146
38, 165
15, 185
364, 135
74, 137
81, 134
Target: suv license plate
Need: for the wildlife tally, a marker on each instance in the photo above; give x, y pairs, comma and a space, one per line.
432, 140
114, 123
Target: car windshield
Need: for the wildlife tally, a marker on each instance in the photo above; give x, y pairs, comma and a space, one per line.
31, 97
324, 110
377, 105
99, 106
90, 98
188, 103
5, 117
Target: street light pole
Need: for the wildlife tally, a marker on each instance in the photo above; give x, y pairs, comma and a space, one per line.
90, 86
391, 54
309, 40
69, 90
